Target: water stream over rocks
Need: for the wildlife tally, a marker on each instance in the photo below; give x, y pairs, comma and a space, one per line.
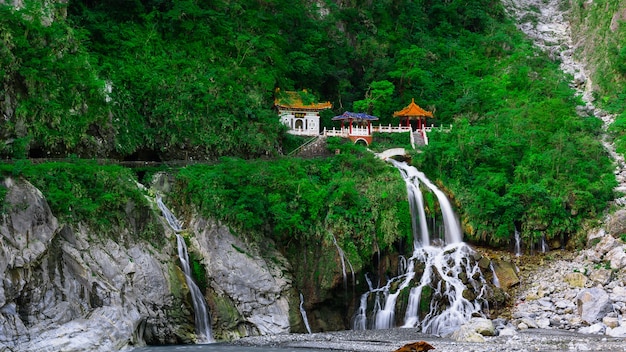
442, 282
201, 311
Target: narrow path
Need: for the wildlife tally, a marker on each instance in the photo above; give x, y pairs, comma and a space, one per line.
546, 23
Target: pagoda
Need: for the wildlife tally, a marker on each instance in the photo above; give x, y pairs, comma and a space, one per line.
303, 119
413, 112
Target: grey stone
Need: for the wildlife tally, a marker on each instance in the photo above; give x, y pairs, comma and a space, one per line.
597, 328
466, 333
258, 287
619, 331
593, 304
616, 257
617, 223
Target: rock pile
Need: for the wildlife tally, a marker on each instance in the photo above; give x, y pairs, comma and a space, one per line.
585, 293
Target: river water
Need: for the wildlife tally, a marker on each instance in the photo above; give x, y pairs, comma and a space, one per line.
220, 347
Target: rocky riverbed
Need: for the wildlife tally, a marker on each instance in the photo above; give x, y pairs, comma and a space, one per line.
391, 339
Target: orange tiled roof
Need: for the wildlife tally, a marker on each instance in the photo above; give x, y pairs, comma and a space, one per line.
413, 110
294, 101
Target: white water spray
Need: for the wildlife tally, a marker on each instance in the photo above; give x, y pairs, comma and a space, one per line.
496, 281
518, 243
303, 313
201, 312
342, 257
446, 272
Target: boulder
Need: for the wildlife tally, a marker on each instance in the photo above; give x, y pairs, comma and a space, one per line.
593, 304
611, 322
466, 333
601, 276
617, 223
619, 331
616, 257
506, 273
597, 328
618, 294
482, 326
593, 237
575, 279
606, 244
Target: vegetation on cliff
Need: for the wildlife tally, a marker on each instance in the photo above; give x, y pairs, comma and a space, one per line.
600, 29
303, 204
153, 79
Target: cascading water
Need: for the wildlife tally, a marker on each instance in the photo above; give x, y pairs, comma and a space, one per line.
303, 313
343, 259
201, 312
518, 243
446, 272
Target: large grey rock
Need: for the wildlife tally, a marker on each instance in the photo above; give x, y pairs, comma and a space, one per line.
482, 326
466, 333
68, 289
593, 304
617, 223
606, 244
616, 257
258, 288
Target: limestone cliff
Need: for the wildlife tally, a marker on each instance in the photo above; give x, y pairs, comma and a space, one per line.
69, 288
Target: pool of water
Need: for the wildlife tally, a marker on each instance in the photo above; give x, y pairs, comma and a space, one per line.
221, 347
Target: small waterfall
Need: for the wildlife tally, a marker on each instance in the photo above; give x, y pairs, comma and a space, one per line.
303, 313
543, 245
201, 312
446, 272
343, 259
518, 243
496, 281
360, 318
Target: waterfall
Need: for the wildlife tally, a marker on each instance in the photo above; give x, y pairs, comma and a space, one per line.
201, 312
518, 243
360, 318
496, 281
447, 271
413, 179
343, 259
543, 245
303, 313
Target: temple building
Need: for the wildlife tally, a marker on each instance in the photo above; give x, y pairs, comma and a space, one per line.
302, 118
413, 112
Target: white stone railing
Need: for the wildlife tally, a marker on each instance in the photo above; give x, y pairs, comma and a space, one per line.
302, 132
364, 131
391, 129
442, 128
345, 132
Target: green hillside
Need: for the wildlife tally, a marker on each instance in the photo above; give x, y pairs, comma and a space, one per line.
162, 80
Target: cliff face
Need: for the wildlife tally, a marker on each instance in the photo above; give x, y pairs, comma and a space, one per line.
70, 288
598, 30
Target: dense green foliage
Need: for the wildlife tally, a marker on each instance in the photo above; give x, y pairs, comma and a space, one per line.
185, 79
104, 197
353, 196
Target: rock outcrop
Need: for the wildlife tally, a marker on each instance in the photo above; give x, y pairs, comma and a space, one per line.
256, 290
70, 289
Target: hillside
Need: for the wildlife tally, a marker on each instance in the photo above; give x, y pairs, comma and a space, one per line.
153, 80
89, 84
